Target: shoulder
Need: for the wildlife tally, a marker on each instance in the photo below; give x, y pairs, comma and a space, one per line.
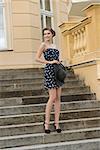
55, 46
42, 46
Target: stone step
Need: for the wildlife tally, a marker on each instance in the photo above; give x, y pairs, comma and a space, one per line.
30, 128
22, 92
39, 117
36, 84
30, 77
19, 92
64, 98
22, 74
88, 144
76, 89
22, 81
35, 108
13, 73
27, 71
42, 138
34, 80
43, 99
12, 101
41, 89
22, 71
39, 86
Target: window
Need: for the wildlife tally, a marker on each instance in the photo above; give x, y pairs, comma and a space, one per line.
3, 43
5, 20
46, 13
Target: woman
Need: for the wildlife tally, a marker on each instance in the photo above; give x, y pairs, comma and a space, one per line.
51, 57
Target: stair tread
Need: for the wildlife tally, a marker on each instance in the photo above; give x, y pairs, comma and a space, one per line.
42, 95
51, 122
32, 147
67, 111
51, 134
43, 104
36, 82
41, 88
33, 96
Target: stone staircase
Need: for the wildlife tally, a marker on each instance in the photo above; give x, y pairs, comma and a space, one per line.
22, 104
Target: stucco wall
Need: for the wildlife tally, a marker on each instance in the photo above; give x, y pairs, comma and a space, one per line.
88, 73
26, 35
26, 30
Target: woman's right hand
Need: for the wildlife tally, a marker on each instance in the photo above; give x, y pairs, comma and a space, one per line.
54, 62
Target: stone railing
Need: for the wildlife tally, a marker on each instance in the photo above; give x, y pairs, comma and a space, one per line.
79, 37
80, 43
75, 39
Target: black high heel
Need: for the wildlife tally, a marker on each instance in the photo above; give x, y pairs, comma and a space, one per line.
57, 129
46, 130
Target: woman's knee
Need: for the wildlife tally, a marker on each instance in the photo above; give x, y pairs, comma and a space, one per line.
58, 96
53, 98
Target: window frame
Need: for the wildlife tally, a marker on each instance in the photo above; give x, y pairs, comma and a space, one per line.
47, 13
7, 16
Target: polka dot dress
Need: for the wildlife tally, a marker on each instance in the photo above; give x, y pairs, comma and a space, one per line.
49, 75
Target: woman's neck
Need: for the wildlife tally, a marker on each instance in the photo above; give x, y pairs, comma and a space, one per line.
49, 45
48, 42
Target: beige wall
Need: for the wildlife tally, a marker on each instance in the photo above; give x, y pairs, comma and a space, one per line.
94, 27
26, 29
88, 73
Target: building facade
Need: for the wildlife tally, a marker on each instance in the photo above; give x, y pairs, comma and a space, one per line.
21, 26
78, 36
81, 43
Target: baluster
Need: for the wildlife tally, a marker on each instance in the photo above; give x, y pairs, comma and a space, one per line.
78, 42
81, 40
74, 42
84, 45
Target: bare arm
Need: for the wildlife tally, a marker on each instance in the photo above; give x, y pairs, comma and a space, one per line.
39, 54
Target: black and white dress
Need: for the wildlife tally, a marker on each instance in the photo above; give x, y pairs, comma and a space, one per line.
49, 75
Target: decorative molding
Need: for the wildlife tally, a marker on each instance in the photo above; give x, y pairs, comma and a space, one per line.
79, 25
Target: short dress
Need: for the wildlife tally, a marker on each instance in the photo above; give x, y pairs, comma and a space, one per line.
49, 75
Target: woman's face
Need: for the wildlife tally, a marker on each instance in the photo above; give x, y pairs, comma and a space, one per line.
47, 35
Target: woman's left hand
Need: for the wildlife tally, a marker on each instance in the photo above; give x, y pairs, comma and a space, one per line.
54, 62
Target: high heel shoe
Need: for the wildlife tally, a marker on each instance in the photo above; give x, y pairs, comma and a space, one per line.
57, 129
46, 130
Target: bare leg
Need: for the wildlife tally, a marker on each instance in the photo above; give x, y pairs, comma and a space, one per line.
52, 98
57, 107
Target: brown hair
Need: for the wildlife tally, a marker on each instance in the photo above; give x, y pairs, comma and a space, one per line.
50, 29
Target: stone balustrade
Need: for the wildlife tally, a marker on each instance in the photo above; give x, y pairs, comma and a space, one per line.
79, 44
75, 39
79, 38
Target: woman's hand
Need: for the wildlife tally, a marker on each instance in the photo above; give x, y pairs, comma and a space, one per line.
54, 62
